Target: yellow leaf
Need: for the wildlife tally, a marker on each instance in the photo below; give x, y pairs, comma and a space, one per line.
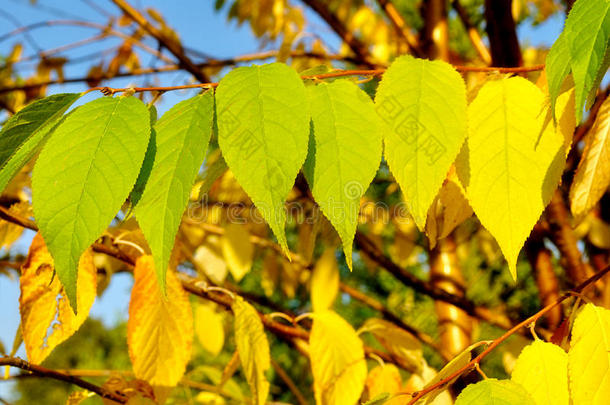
210, 260
454, 365
589, 357
209, 398
253, 349
159, 329
10, 232
325, 281
599, 233
542, 369
40, 306
384, 379
337, 360
209, 328
509, 170
397, 341
237, 250
449, 210
593, 174
416, 382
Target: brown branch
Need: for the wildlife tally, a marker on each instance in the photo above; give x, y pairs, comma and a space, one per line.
400, 26
496, 342
502, 33
357, 46
473, 33
56, 375
173, 46
289, 383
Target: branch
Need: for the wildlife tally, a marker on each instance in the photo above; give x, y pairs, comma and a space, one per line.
357, 46
174, 47
473, 33
400, 26
57, 375
496, 342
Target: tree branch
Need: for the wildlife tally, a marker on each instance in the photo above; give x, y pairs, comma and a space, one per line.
174, 47
357, 46
400, 26
56, 375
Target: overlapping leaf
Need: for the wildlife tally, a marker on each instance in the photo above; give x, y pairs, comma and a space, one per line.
46, 320
83, 176
182, 136
325, 281
593, 174
589, 357
237, 250
263, 130
509, 169
585, 38
337, 360
542, 369
494, 392
344, 155
159, 329
253, 349
25, 132
423, 104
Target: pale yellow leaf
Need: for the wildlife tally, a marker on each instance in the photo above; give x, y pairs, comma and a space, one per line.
593, 174
208, 257
253, 349
397, 341
325, 281
159, 329
43, 301
209, 398
10, 232
599, 233
384, 379
237, 250
417, 382
209, 328
542, 369
337, 360
589, 357
508, 167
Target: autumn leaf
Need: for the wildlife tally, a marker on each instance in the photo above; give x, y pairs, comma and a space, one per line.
593, 174
325, 281
209, 328
337, 360
253, 349
40, 306
159, 330
237, 250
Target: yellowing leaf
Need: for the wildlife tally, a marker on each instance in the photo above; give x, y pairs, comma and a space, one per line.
508, 170
589, 357
253, 349
423, 104
209, 328
337, 360
449, 210
39, 304
384, 379
10, 232
237, 250
325, 281
542, 369
159, 330
593, 174
397, 341
416, 382
210, 260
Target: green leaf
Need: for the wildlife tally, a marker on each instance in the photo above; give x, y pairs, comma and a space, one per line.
83, 176
24, 133
494, 392
147, 164
542, 369
263, 130
557, 68
587, 31
589, 356
212, 173
510, 177
346, 154
182, 136
424, 106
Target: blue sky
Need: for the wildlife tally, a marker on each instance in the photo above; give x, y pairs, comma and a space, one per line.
199, 27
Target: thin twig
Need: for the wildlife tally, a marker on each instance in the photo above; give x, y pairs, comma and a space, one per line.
56, 375
496, 342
